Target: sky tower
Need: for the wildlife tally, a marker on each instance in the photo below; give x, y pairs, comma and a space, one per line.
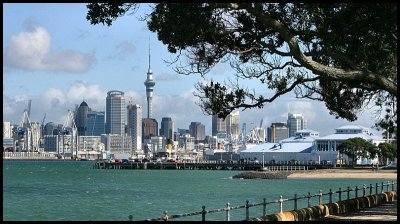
149, 83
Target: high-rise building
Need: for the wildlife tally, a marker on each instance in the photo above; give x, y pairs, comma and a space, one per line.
81, 118
233, 125
218, 127
167, 128
95, 123
135, 125
115, 112
50, 129
149, 129
149, 83
295, 123
277, 132
197, 131
7, 130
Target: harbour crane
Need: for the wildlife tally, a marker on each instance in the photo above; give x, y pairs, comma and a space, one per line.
42, 126
29, 108
44, 118
69, 128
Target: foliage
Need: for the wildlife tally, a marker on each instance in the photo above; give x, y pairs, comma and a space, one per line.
356, 148
310, 49
387, 151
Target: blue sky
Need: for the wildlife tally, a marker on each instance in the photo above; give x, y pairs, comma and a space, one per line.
53, 56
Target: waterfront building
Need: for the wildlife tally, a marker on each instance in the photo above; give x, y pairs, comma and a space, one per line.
51, 143
95, 123
62, 144
157, 144
182, 131
197, 131
218, 127
8, 144
233, 125
149, 83
89, 143
295, 122
149, 129
135, 126
330, 143
90, 147
36, 135
186, 142
212, 141
8, 141
306, 147
81, 118
307, 132
167, 128
115, 112
7, 130
277, 132
176, 136
119, 146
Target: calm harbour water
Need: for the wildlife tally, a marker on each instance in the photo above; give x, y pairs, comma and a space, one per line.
73, 190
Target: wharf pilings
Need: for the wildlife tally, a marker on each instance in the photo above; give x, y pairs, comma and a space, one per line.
210, 165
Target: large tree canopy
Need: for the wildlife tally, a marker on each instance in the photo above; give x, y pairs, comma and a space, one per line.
357, 148
340, 53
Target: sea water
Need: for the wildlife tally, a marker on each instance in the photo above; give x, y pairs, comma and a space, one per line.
75, 191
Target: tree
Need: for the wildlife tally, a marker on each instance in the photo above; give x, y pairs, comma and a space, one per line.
340, 53
387, 151
356, 148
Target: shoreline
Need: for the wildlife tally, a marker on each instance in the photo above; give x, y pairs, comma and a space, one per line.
344, 173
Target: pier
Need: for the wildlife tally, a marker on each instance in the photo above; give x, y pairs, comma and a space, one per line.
205, 165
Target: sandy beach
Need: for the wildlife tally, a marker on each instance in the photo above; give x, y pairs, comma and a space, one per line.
345, 173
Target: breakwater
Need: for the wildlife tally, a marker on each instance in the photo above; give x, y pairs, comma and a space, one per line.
263, 175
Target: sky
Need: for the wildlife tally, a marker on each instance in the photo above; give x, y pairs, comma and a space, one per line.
54, 57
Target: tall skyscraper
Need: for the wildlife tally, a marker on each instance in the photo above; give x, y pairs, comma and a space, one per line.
233, 125
167, 128
149, 129
81, 118
295, 122
135, 125
115, 112
277, 132
197, 130
218, 126
95, 123
149, 83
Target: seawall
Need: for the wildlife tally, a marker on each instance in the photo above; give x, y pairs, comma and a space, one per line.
319, 212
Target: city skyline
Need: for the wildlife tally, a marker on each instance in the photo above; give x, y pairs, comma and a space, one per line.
66, 61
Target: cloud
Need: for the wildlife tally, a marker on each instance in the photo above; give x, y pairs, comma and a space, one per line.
165, 77
123, 50
31, 50
181, 108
